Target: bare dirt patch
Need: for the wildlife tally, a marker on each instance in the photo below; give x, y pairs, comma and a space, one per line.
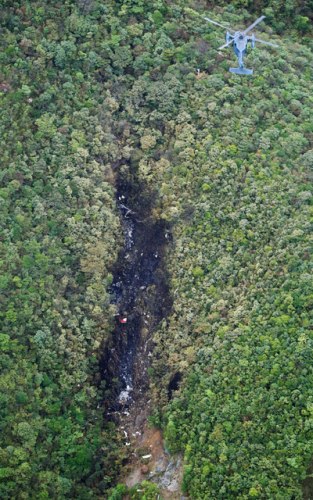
148, 459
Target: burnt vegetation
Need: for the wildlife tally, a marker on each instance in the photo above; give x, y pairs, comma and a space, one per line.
101, 100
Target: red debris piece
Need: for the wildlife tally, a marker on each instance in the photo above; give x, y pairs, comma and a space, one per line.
123, 320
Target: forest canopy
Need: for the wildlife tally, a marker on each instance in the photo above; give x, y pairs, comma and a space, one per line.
91, 88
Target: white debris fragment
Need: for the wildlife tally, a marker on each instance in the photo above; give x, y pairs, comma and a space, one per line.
125, 394
146, 456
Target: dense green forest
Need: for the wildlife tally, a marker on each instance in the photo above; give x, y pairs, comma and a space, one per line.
94, 89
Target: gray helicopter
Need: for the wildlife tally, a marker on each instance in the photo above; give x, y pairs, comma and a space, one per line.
240, 40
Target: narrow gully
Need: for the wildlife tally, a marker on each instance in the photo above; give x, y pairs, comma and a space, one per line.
141, 294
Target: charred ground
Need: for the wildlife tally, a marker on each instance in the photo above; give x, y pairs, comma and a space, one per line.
140, 291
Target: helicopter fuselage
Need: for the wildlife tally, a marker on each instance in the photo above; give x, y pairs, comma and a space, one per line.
240, 45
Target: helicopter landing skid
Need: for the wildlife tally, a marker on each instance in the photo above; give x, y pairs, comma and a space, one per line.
241, 71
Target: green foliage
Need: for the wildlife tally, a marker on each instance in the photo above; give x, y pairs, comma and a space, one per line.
293, 14
57, 206
239, 331
142, 491
88, 87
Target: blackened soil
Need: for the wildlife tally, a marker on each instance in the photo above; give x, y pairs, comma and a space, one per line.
141, 294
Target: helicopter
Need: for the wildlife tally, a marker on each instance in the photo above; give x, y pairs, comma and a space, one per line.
240, 40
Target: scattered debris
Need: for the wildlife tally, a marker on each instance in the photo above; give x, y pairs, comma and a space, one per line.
140, 292
128, 210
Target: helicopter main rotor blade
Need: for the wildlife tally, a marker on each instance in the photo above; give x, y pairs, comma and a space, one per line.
262, 41
218, 24
226, 45
253, 25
